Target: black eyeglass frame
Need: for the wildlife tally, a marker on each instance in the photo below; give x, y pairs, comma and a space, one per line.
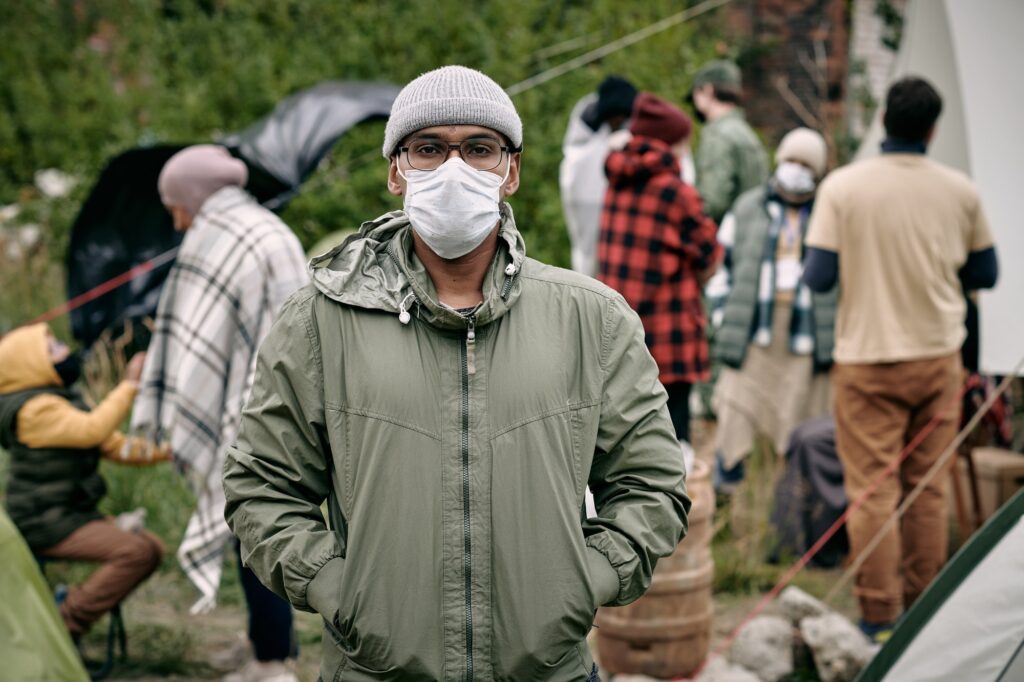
505, 149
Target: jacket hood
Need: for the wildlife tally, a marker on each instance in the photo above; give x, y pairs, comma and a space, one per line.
377, 269
641, 159
25, 360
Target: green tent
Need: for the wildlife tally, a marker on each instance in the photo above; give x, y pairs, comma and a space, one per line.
34, 644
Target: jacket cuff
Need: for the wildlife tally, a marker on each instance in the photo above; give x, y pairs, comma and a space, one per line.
603, 577
323, 590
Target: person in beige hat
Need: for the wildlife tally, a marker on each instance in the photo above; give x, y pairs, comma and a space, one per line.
773, 336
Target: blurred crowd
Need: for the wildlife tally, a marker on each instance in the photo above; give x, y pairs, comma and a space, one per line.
451, 399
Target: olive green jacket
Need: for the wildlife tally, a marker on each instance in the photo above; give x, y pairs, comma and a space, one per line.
453, 452
730, 160
740, 311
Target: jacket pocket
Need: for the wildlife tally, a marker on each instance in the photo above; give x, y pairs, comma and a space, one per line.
542, 595
389, 611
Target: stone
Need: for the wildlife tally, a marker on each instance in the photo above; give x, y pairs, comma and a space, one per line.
18, 242
765, 647
9, 213
839, 648
54, 183
720, 670
797, 605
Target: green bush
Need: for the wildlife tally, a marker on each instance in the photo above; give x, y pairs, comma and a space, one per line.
80, 82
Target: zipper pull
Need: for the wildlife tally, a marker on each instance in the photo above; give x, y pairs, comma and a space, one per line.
471, 345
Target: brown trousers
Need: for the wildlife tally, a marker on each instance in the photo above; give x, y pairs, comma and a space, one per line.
126, 560
879, 409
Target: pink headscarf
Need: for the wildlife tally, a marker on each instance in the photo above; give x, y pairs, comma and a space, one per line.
194, 174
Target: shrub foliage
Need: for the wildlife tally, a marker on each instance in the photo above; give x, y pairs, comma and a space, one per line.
82, 81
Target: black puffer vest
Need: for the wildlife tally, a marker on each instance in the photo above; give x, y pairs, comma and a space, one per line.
51, 492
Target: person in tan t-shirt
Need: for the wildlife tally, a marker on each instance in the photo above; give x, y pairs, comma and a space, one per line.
904, 237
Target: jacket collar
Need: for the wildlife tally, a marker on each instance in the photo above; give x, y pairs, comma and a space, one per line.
377, 269
736, 113
894, 145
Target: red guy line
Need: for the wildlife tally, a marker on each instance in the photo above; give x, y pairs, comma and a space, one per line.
104, 288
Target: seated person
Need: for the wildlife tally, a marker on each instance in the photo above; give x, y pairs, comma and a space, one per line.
55, 444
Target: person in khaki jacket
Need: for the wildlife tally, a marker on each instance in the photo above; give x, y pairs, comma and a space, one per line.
451, 399
54, 486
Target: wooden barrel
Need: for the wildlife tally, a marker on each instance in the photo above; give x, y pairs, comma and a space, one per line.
666, 633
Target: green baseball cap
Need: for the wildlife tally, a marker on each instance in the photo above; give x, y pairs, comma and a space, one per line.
719, 72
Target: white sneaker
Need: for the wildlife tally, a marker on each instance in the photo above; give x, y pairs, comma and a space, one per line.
262, 671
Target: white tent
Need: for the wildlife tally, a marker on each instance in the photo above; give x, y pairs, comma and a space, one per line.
972, 51
969, 623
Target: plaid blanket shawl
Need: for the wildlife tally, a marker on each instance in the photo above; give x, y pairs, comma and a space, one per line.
236, 266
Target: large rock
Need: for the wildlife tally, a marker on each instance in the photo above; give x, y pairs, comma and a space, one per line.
839, 648
720, 670
797, 605
765, 647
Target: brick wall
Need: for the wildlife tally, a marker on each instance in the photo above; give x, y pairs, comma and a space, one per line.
795, 60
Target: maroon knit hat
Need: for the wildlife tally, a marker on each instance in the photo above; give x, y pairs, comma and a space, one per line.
654, 117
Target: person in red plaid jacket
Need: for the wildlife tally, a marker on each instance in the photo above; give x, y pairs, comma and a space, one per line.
658, 247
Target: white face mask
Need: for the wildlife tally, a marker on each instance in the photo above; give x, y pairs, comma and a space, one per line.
795, 178
453, 208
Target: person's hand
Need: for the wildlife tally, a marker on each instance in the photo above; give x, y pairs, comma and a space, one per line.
134, 370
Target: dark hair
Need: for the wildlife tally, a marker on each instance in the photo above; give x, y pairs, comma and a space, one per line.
912, 106
729, 94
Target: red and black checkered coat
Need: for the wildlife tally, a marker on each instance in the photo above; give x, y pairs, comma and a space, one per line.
655, 238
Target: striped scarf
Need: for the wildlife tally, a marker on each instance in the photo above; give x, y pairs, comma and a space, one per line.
801, 328
801, 340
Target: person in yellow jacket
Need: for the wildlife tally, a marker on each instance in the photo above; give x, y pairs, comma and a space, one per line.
55, 444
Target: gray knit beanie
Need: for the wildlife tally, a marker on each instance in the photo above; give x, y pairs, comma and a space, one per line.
451, 95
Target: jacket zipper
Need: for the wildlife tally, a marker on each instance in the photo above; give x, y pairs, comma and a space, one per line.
468, 368
471, 345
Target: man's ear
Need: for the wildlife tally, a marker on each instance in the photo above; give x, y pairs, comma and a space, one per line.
512, 182
396, 185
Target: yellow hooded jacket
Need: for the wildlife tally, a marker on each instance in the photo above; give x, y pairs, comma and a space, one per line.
50, 421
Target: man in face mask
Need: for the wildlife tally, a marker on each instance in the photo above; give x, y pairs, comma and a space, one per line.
451, 399
773, 336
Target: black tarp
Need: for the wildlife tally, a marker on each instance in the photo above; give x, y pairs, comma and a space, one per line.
290, 142
123, 223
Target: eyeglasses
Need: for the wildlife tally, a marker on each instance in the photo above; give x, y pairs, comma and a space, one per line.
481, 153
